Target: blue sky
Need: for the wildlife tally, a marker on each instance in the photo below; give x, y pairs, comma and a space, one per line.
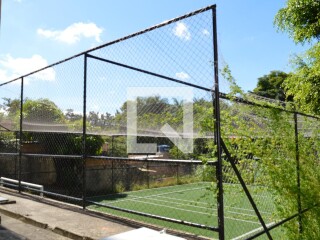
35, 33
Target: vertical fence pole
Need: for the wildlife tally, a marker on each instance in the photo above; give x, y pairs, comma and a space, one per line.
20, 133
16, 158
296, 134
112, 139
148, 175
245, 189
112, 175
217, 133
84, 134
178, 180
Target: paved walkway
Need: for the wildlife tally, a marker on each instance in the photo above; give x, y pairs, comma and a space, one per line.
14, 229
63, 221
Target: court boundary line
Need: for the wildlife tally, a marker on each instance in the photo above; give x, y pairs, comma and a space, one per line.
194, 206
184, 190
203, 185
235, 219
148, 189
156, 195
214, 205
253, 231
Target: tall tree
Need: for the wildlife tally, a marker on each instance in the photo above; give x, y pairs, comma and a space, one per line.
42, 110
300, 18
271, 85
11, 106
304, 84
72, 116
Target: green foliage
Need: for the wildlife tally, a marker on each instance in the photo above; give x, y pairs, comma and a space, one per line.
206, 173
119, 188
175, 153
12, 106
71, 116
117, 146
268, 136
42, 110
304, 84
262, 142
37, 111
235, 90
271, 86
8, 142
300, 18
10, 111
93, 144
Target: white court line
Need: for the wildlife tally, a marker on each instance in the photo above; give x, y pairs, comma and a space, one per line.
253, 231
159, 195
247, 221
251, 210
184, 190
207, 208
154, 189
156, 195
214, 205
204, 203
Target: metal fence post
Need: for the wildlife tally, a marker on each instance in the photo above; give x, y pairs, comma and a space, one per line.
112, 176
178, 180
148, 175
296, 134
84, 134
245, 189
16, 158
20, 137
217, 133
112, 139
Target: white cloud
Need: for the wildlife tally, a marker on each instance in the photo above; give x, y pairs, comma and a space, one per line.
205, 32
181, 31
11, 68
73, 33
182, 75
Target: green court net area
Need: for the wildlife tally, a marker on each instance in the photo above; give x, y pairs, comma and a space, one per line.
195, 203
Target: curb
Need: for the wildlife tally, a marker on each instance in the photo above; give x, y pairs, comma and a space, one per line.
23, 218
96, 214
69, 234
38, 224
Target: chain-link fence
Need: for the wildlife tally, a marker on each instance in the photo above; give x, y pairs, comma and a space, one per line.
271, 155
129, 129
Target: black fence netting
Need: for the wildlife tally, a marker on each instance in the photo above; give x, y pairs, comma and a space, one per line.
9, 124
270, 161
137, 128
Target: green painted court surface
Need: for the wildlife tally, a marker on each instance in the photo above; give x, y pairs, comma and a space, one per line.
194, 203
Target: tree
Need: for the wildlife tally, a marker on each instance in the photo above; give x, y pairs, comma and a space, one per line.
11, 106
271, 86
42, 110
107, 120
71, 116
93, 118
152, 104
304, 84
300, 18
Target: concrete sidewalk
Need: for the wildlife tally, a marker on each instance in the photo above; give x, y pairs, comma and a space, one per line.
67, 221
14, 229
